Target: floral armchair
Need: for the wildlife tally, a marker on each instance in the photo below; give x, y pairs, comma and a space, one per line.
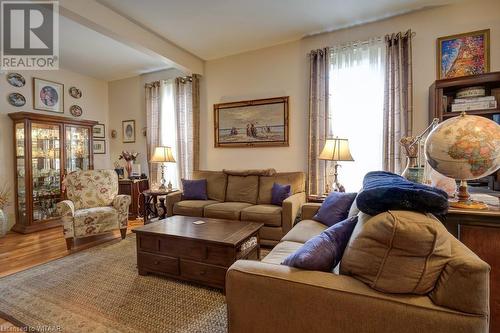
93, 206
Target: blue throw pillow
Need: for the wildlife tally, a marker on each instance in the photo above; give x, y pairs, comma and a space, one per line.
194, 189
323, 252
383, 191
279, 193
335, 208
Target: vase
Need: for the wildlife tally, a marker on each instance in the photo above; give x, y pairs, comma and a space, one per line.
4, 223
128, 167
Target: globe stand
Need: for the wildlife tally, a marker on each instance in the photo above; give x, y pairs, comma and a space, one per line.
464, 201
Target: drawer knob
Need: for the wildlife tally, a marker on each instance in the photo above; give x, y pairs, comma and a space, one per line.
203, 272
157, 262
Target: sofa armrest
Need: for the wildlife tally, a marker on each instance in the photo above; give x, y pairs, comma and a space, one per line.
309, 210
290, 210
264, 297
66, 209
170, 200
122, 204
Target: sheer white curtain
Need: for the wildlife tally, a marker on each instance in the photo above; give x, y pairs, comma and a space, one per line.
356, 104
168, 130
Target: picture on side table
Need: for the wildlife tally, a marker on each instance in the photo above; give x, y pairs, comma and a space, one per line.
98, 131
128, 131
463, 54
48, 95
255, 123
99, 146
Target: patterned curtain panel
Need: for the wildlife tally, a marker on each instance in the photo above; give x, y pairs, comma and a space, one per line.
187, 109
398, 99
319, 128
153, 121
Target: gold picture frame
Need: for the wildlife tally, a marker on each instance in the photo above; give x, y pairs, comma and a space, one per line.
252, 123
128, 131
450, 63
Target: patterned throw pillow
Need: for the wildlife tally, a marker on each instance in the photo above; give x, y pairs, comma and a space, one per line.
280, 193
335, 208
194, 189
323, 252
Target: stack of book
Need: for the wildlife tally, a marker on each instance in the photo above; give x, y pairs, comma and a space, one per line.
474, 103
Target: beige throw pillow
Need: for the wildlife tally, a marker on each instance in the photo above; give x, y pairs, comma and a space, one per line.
397, 252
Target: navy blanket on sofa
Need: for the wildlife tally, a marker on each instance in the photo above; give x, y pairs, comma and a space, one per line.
383, 191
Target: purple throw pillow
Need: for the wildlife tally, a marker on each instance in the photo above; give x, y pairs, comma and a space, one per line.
323, 252
335, 208
279, 193
194, 189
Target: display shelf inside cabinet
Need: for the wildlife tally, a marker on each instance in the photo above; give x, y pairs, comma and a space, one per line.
46, 148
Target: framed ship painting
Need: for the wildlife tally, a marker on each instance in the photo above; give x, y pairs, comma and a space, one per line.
255, 123
463, 54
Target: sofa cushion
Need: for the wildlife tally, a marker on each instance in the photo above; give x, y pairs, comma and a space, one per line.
225, 210
280, 252
335, 208
295, 179
91, 221
324, 251
279, 193
268, 214
216, 183
242, 189
407, 252
383, 191
192, 207
304, 230
195, 189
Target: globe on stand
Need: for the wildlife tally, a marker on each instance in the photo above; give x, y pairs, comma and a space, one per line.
464, 148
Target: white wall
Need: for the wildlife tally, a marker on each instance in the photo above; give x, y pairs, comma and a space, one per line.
284, 70
127, 102
94, 104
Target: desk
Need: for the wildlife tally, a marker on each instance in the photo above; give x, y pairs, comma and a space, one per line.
133, 187
151, 207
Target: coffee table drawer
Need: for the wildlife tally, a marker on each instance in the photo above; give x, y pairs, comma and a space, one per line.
203, 272
158, 263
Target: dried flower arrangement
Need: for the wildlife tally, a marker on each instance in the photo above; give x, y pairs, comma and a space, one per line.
127, 156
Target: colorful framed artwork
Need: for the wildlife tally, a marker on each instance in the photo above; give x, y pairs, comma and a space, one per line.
48, 95
99, 131
99, 146
463, 54
255, 123
128, 131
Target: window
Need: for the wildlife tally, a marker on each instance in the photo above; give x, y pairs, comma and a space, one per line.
168, 128
356, 107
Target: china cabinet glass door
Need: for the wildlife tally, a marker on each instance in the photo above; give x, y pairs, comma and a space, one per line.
77, 148
45, 169
21, 173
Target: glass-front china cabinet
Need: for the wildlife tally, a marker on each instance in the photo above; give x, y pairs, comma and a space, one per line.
46, 148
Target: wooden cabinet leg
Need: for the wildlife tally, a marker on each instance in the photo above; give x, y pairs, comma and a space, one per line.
123, 232
69, 243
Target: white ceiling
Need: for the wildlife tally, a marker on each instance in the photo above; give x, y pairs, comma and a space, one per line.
88, 52
216, 28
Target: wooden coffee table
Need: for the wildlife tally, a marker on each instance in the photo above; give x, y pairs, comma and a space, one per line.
202, 253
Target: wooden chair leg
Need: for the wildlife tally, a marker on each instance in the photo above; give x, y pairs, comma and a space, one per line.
69, 243
123, 232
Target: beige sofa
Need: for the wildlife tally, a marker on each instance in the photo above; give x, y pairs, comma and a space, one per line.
245, 195
269, 297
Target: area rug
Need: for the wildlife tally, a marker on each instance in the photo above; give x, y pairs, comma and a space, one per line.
99, 290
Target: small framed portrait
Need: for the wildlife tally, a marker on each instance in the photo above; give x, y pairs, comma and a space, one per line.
128, 131
99, 146
463, 54
48, 95
99, 131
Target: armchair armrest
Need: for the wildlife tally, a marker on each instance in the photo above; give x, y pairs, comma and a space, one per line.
170, 200
122, 203
66, 209
290, 210
309, 210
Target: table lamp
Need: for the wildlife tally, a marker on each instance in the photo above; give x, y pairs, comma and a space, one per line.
163, 155
335, 150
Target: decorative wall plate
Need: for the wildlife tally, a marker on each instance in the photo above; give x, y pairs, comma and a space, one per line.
75, 111
16, 80
75, 92
16, 99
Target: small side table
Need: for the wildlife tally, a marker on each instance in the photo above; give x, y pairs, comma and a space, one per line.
153, 202
133, 187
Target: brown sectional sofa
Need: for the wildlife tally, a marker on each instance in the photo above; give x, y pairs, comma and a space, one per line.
245, 195
268, 297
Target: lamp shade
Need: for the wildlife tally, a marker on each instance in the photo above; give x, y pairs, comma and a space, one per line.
336, 150
162, 154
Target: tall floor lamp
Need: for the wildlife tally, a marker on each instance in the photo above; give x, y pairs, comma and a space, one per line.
163, 155
335, 150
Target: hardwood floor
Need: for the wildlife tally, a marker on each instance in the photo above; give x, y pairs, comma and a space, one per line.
19, 252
